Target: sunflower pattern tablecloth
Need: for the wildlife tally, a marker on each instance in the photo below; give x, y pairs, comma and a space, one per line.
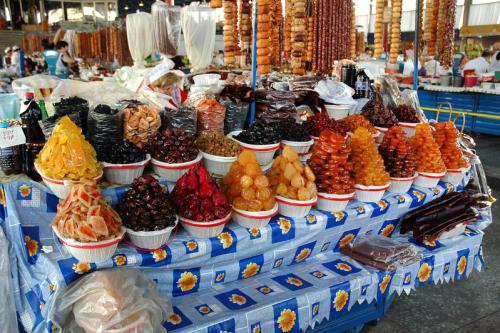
238, 257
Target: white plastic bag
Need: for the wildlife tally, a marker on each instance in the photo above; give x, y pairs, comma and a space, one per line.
334, 92
113, 301
140, 37
198, 24
8, 316
31, 83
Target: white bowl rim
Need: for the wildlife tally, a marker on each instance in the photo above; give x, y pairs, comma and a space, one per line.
405, 179
128, 165
260, 215
434, 175
173, 166
217, 158
90, 245
299, 203
460, 170
257, 148
203, 224
64, 181
408, 125
372, 188
298, 143
336, 197
153, 233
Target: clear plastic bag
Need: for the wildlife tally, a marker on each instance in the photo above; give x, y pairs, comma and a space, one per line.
114, 301
333, 92
166, 27
184, 117
236, 115
105, 128
210, 116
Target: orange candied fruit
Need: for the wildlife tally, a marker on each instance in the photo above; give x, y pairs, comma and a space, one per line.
352, 122
446, 136
426, 150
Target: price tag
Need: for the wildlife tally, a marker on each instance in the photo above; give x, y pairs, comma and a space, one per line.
12, 136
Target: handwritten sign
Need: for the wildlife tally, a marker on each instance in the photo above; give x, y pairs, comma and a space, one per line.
12, 136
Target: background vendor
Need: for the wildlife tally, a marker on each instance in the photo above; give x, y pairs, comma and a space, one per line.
480, 64
64, 61
164, 87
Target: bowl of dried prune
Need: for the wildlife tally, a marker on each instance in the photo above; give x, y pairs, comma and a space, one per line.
407, 117
297, 137
124, 162
147, 213
261, 138
173, 153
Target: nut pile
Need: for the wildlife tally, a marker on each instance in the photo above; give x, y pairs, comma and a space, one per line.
172, 146
146, 206
124, 153
397, 153
139, 124
218, 144
259, 134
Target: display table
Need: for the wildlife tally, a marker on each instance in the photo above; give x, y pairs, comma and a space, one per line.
244, 277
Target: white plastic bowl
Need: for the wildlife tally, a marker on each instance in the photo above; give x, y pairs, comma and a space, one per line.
264, 153
294, 208
381, 131
218, 166
370, 193
204, 229
206, 79
428, 179
92, 251
124, 173
150, 240
401, 185
302, 148
454, 176
173, 171
249, 219
338, 111
61, 188
408, 128
333, 202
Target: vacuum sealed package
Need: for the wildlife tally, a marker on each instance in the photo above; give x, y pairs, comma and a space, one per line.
105, 128
236, 99
210, 116
382, 252
113, 300
183, 117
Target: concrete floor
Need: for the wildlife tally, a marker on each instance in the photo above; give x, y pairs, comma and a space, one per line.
467, 306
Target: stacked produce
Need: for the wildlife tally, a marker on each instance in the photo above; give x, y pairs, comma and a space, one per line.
368, 165
405, 113
446, 136
421, 25
145, 206
66, 154
263, 35
426, 150
85, 216
245, 27
230, 32
330, 164
246, 186
448, 33
429, 11
259, 134
275, 20
353, 33
441, 19
443, 214
319, 122
172, 146
287, 43
395, 38
140, 123
433, 40
397, 153
197, 197
184, 117
352, 122
210, 116
218, 144
294, 132
290, 179
124, 153
378, 114
379, 29
299, 35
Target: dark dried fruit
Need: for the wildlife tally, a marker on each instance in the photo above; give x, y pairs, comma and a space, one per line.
378, 114
259, 134
172, 146
406, 113
124, 153
320, 122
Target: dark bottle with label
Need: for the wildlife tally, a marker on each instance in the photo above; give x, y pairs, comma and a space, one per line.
35, 140
10, 157
363, 84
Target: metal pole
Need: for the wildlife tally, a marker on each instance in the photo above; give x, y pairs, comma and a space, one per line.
415, 55
254, 59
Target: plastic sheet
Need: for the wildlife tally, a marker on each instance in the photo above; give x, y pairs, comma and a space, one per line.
184, 117
166, 27
31, 83
8, 316
334, 92
198, 25
118, 300
139, 36
105, 128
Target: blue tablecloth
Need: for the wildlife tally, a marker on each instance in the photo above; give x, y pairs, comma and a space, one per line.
209, 270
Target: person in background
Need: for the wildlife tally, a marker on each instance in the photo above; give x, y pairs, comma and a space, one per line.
46, 45
6, 58
19, 22
15, 59
219, 59
163, 87
479, 65
367, 55
495, 59
64, 61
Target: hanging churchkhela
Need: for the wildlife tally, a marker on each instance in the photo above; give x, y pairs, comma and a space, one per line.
276, 18
395, 30
263, 34
299, 35
230, 32
245, 28
448, 33
379, 27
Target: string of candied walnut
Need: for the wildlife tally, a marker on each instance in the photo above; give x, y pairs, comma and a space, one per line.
245, 29
263, 51
379, 22
395, 31
353, 32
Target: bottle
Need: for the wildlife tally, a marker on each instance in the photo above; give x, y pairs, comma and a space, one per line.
43, 109
359, 86
35, 140
10, 157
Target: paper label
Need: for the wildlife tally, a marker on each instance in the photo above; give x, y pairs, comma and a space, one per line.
12, 136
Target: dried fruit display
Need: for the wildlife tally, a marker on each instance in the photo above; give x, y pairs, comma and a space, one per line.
124, 153
85, 216
230, 32
210, 116
263, 34
139, 123
290, 178
433, 40
368, 165
448, 33
352, 122
353, 32
259, 134
379, 29
440, 25
294, 132
287, 43
215, 3
397, 153
429, 11
66, 154
321, 121
246, 187
275, 40
446, 136
299, 36
218, 144
146, 206
330, 164
395, 37
197, 197
378, 114
245, 29
406, 113
172, 146
426, 150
